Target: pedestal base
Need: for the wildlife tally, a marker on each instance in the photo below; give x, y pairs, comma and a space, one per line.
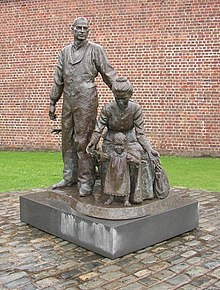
110, 238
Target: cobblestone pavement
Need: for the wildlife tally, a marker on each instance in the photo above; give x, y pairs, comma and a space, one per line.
32, 259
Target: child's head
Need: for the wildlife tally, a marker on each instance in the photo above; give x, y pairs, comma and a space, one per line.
122, 89
119, 141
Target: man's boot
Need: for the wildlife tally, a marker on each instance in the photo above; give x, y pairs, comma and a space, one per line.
63, 183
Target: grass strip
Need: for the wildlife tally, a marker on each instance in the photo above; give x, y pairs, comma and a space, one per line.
27, 170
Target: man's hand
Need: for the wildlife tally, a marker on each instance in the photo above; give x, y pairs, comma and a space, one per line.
52, 114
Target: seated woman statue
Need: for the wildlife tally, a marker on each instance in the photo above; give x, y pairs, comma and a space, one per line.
125, 116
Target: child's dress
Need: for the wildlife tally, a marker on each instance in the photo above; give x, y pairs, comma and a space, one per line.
117, 180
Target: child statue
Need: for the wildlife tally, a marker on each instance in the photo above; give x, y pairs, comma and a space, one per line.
117, 179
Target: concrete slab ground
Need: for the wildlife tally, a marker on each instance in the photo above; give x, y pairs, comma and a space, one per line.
32, 259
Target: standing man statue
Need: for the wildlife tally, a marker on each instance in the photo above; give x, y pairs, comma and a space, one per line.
78, 65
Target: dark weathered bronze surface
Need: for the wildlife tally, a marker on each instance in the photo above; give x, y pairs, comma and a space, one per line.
93, 205
129, 171
78, 65
129, 166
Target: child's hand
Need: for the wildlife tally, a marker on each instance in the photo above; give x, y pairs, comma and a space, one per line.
129, 158
95, 154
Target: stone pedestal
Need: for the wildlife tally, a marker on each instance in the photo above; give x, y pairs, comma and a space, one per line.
55, 212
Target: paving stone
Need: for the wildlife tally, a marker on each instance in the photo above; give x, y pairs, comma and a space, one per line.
175, 260
196, 271
142, 273
217, 284
179, 280
179, 267
188, 237
67, 265
203, 281
4, 255
209, 254
91, 266
166, 254
128, 279
70, 284
18, 283
6, 266
133, 268
88, 276
9, 277
212, 264
94, 283
26, 266
188, 254
174, 243
159, 266
54, 287
91, 258
112, 276
187, 287
193, 243
133, 286
150, 260
215, 243
158, 249
163, 275
207, 237
161, 286
40, 267
28, 287
3, 241
212, 287
144, 255
216, 273
109, 269
70, 274
72, 288
180, 249
216, 250
194, 260
148, 281
48, 282
113, 285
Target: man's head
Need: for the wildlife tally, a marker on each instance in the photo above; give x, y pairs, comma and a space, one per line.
122, 89
80, 28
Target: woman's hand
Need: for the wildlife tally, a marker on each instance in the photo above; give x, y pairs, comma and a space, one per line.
155, 153
90, 147
154, 156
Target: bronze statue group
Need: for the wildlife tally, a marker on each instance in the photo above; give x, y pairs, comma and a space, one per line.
129, 167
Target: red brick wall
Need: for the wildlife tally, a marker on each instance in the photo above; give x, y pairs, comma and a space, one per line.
169, 49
